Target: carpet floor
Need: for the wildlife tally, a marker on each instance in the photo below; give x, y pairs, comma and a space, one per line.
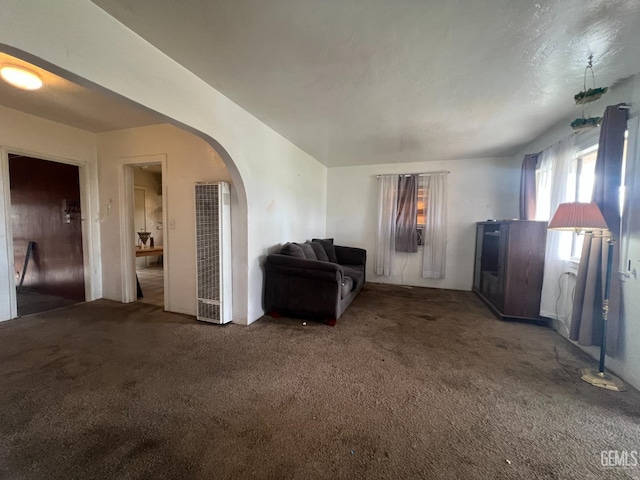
411, 383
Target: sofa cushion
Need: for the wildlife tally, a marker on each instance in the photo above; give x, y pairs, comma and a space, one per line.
327, 244
356, 272
293, 250
346, 287
319, 251
309, 254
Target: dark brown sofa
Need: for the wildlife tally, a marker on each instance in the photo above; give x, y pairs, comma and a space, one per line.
298, 284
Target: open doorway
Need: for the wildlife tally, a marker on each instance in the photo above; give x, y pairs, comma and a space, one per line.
47, 234
148, 233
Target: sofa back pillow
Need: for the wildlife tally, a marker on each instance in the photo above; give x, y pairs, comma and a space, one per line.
293, 250
327, 244
309, 254
319, 251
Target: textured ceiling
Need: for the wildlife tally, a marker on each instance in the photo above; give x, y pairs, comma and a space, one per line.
65, 102
377, 81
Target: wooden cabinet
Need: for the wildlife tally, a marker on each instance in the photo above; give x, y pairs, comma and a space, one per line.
509, 267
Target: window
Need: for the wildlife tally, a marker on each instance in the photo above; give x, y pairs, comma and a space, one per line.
580, 189
422, 212
432, 214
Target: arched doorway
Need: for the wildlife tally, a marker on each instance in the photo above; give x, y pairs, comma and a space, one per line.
103, 204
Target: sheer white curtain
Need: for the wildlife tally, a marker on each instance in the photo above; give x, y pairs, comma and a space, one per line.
544, 182
435, 230
556, 163
386, 233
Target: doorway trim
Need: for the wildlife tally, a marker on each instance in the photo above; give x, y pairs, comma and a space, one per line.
88, 229
127, 230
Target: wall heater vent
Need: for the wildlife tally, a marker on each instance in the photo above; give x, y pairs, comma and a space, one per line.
213, 252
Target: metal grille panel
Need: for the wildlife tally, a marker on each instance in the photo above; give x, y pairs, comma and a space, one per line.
210, 311
208, 248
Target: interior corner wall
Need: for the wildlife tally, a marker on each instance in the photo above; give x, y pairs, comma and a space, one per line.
478, 189
189, 159
50, 140
626, 363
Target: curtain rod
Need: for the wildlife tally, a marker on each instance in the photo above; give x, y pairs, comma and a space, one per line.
419, 174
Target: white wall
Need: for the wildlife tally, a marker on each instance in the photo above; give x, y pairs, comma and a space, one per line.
30, 135
280, 190
189, 159
478, 189
626, 363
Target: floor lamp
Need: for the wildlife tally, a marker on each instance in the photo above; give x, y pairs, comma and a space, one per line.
585, 218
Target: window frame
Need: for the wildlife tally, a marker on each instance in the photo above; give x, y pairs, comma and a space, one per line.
589, 149
576, 172
420, 226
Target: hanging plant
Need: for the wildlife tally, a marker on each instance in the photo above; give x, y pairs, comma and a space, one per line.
590, 95
584, 123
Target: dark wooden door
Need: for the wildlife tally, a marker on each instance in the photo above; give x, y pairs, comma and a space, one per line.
45, 209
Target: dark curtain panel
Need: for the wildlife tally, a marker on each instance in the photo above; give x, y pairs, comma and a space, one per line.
586, 320
528, 187
406, 223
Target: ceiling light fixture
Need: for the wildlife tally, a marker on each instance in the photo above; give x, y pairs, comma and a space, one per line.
20, 77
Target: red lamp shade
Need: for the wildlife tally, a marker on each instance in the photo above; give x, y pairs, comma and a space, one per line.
578, 217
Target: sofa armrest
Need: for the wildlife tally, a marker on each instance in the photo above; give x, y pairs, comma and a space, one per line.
351, 255
302, 287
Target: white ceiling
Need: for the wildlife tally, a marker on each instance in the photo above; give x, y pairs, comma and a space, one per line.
66, 102
377, 81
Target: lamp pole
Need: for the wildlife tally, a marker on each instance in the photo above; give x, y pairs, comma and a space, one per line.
605, 305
